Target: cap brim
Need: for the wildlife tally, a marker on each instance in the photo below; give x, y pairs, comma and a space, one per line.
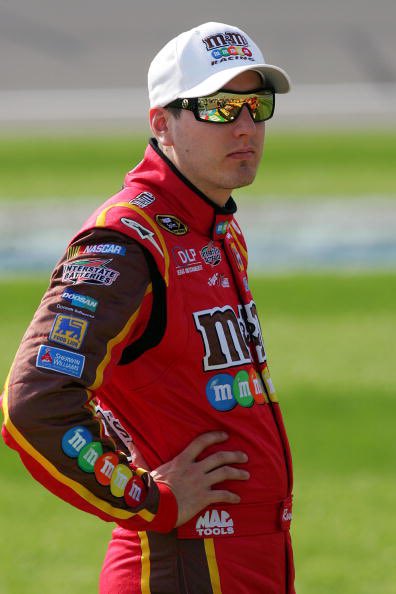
275, 76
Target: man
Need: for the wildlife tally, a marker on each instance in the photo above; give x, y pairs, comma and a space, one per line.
141, 391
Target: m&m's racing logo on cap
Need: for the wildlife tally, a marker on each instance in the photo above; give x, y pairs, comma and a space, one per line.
229, 45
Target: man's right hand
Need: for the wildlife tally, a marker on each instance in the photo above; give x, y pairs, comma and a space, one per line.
192, 481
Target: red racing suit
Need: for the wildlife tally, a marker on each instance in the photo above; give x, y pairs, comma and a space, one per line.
149, 335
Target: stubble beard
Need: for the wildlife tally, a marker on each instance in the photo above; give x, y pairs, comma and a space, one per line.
244, 176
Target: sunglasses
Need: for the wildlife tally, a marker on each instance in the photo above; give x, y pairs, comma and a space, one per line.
225, 106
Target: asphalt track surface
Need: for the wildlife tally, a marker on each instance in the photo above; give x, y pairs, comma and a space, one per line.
87, 61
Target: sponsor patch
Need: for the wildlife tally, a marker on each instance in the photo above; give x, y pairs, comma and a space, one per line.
219, 280
69, 331
75, 439
172, 224
119, 480
142, 200
78, 300
211, 254
219, 392
92, 271
99, 248
215, 523
60, 360
186, 260
224, 391
143, 232
265, 374
224, 336
78, 443
104, 468
74, 310
88, 456
135, 492
113, 427
221, 228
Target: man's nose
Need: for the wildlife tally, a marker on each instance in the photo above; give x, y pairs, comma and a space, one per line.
244, 124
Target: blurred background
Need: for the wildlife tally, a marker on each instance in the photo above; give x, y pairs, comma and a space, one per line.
320, 221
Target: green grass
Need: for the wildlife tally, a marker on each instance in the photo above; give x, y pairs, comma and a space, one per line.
331, 341
331, 348
300, 164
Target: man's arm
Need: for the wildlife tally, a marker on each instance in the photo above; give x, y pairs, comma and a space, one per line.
97, 302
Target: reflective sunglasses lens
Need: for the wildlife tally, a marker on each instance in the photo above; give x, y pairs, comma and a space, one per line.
213, 109
223, 108
265, 107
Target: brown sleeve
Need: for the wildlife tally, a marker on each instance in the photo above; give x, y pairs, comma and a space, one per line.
99, 300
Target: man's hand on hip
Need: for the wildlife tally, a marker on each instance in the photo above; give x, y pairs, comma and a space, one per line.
192, 481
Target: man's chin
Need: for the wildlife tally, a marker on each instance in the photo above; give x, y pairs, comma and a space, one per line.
245, 181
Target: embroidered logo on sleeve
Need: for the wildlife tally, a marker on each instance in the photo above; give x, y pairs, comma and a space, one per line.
78, 300
60, 360
90, 270
123, 481
99, 248
68, 331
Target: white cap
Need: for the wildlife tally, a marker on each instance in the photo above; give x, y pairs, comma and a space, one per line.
201, 61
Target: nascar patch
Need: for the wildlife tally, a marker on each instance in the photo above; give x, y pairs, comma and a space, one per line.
99, 248
90, 270
172, 224
69, 331
60, 360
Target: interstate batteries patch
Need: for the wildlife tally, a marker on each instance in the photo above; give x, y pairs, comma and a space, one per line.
172, 224
90, 270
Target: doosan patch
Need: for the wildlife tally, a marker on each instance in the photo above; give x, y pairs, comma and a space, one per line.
78, 300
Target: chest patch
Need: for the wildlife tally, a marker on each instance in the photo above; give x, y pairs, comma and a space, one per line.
226, 336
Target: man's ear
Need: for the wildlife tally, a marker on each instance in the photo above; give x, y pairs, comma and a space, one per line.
159, 123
